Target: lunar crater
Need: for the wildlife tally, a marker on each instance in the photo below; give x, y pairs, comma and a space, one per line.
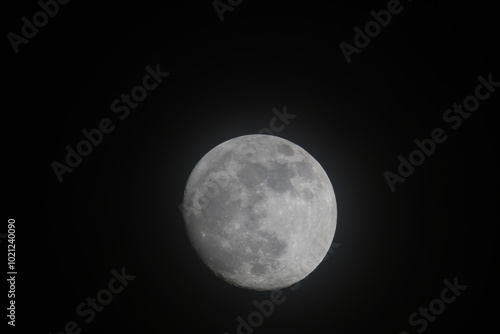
285, 149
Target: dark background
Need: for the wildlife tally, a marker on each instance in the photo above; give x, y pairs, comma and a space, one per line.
119, 207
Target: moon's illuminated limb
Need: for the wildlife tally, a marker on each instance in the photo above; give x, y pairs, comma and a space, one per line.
260, 211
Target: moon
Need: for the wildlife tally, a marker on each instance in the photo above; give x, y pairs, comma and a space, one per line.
260, 212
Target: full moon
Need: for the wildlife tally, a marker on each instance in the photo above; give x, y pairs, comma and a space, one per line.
260, 212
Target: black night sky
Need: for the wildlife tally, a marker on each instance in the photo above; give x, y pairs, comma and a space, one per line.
114, 224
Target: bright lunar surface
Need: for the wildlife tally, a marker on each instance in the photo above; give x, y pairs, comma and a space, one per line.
260, 212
